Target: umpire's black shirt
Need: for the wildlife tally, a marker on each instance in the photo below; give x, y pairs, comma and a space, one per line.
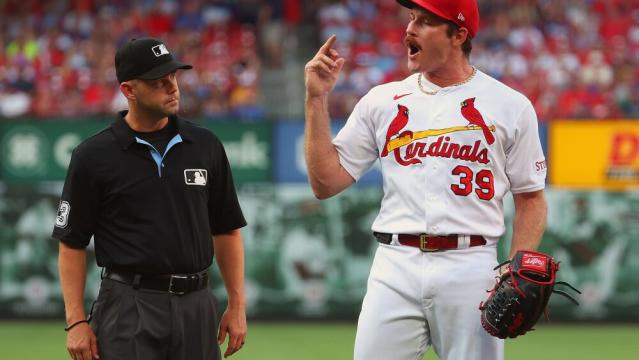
149, 213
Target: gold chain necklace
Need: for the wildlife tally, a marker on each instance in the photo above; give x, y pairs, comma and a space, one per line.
419, 82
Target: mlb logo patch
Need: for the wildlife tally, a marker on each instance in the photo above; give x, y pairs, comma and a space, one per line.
160, 50
196, 177
62, 217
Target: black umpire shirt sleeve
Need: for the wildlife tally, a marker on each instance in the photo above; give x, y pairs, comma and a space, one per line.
75, 219
225, 213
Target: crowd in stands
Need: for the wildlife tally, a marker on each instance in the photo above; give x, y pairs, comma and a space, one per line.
572, 58
57, 56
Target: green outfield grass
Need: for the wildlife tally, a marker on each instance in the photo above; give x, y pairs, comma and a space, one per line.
310, 341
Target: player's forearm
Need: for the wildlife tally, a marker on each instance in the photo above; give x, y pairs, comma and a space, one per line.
530, 220
326, 176
229, 253
72, 271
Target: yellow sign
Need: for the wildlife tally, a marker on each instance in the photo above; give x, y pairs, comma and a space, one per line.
594, 154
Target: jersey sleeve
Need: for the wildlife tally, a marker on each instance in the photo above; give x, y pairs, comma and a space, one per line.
225, 213
355, 142
77, 211
525, 160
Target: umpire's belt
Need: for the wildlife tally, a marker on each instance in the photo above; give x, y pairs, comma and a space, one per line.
178, 284
430, 243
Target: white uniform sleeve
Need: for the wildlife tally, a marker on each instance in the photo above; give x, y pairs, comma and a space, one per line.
355, 142
525, 161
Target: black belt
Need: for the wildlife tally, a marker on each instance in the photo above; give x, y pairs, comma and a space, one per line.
178, 284
428, 243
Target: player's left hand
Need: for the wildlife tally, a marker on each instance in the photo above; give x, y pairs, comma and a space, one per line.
521, 294
233, 323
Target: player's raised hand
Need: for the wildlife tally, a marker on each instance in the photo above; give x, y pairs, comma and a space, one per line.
322, 70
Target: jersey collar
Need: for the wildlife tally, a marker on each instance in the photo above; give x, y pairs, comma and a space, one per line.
126, 136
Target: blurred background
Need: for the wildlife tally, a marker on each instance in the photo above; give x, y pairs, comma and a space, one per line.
308, 261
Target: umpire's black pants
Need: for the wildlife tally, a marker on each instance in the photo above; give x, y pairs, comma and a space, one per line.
139, 324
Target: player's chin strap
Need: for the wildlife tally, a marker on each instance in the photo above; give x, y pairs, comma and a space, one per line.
565, 294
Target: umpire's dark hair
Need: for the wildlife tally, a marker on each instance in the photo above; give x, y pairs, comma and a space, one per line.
467, 46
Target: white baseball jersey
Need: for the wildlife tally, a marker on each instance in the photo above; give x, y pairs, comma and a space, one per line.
447, 159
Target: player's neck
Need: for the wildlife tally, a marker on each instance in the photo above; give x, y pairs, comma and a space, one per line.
452, 73
141, 121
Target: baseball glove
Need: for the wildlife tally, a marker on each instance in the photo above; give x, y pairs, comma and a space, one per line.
521, 294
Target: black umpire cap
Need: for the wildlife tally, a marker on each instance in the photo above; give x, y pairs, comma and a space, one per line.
146, 59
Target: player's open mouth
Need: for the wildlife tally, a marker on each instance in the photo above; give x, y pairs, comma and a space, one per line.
413, 47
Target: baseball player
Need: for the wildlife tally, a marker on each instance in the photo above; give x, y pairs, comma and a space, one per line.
451, 142
157, 195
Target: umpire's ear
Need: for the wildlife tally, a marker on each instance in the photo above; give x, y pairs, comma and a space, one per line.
127, 90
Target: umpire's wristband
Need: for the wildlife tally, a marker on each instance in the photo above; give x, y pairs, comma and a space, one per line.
75, 323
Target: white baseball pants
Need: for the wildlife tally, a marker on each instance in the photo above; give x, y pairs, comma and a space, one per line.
419, 299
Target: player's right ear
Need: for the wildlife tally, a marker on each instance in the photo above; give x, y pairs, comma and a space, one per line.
127, 89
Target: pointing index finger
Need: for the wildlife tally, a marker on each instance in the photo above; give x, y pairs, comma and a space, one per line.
325, 49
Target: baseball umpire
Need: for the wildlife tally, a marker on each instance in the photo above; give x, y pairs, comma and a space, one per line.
157, 195
451, 142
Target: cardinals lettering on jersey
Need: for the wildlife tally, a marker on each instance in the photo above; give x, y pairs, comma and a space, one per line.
443, 146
